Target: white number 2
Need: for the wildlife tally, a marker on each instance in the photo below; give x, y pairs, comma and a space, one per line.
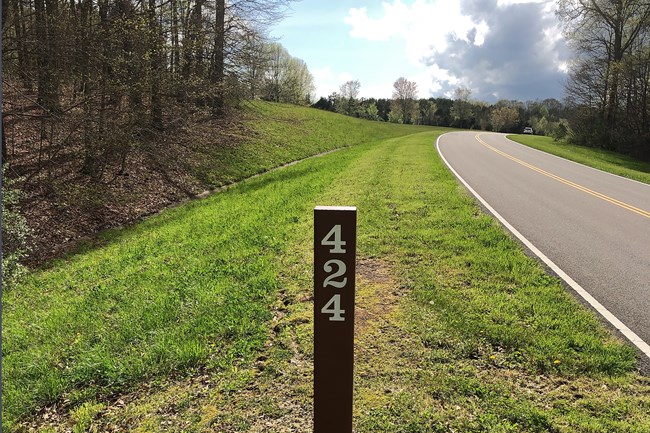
337, 243
327, 267
333, 307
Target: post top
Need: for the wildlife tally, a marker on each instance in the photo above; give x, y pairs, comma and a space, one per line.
336, 208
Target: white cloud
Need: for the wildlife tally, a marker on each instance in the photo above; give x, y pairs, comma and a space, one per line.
344, 77
383, 90
324, 80
423, 25
432, 79
509, 48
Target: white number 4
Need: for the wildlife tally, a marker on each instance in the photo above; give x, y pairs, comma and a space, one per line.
334, 307
337, 243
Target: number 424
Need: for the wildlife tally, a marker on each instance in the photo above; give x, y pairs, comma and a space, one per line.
333, 306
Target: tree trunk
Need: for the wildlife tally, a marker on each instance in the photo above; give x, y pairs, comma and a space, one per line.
175, 53
93, 146
156, 109
27, 63
85, 29
4, 143
615, 66
217, 75
42, 61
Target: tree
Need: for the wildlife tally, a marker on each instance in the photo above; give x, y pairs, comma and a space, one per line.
348, 94
371, 112
404, 104
504, 118
287, 79
254, 58
299, 83
428, 110
328, 103
461, 111
350, 89
608, 27
607, 85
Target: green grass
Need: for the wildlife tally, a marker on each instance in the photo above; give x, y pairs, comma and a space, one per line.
187, 288
281, 133
486, 322
484, 341
605, 160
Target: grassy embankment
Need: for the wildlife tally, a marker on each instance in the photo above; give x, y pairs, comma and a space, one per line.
166, 295
283, 133
605, 160
199, 318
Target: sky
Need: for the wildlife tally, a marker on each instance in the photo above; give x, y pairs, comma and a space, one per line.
500, 49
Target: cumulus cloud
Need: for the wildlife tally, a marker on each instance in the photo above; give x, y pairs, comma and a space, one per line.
509, 49
423, 25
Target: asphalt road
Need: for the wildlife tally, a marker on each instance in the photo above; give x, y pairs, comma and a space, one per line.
593, 226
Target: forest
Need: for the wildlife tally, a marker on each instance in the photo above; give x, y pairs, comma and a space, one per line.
607, 91
110, 106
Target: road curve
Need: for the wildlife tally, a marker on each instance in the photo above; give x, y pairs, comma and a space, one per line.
592, 228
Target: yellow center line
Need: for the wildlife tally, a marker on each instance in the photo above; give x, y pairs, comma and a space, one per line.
602, 196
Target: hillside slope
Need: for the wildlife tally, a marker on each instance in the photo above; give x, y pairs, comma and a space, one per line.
64, 207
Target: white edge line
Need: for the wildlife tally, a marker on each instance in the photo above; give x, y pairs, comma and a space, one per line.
627, 332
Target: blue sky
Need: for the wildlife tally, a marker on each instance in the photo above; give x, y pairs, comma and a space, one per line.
500, 49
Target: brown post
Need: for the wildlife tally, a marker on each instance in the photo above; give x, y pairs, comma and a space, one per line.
335, 243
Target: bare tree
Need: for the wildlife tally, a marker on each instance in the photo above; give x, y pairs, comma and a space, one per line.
405, 94
350, 89
348, 94
462, 110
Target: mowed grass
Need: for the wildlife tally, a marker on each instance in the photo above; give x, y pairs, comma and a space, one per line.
484, 340
277, 134
169, 293
487, 295
601, 159
188, 288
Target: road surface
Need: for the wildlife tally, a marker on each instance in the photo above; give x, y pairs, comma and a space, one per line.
590, 227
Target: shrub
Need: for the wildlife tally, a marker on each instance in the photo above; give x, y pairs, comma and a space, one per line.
16, 234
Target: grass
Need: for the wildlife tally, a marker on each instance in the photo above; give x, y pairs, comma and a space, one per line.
282, 133
199, 319
601, 159
189, 287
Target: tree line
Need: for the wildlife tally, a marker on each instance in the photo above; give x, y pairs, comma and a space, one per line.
546, 117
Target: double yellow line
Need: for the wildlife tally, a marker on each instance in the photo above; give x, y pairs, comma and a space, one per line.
609, 199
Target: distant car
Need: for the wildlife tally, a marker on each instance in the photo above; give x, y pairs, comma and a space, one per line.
528, 130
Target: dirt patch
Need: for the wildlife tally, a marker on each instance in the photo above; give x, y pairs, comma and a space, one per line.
280, 399
377, 293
